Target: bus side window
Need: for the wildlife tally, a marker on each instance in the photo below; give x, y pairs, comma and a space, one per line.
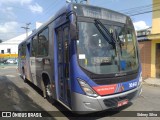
23, 52
19, 52
43, 42
34, 46
66, 50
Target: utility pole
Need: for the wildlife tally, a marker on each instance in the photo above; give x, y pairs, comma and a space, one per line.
26, 28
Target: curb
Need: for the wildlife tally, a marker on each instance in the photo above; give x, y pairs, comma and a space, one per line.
150, 84
6, 67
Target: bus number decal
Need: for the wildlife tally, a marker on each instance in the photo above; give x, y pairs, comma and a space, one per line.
133, 84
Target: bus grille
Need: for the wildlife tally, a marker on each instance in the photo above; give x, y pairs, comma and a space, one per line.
105, 79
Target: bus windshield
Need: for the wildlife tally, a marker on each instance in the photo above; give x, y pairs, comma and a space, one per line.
97, 55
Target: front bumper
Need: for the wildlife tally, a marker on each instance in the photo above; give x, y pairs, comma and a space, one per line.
83, 104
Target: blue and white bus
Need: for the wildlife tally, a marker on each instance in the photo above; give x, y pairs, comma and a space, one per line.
85, 57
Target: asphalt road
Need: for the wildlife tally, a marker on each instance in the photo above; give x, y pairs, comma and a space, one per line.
15, 95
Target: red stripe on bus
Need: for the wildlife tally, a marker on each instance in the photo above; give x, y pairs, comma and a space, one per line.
105, 89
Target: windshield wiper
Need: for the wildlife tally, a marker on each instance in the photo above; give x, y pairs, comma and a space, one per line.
109, 38
119, 42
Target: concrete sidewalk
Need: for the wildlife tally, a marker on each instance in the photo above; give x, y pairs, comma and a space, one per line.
152, 82
7, 67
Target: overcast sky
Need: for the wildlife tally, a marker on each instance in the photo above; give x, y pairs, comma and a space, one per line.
16, 13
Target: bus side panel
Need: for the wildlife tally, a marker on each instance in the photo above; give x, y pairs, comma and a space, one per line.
39, 68
55, 61
74, 71
44, 65
27, 67
51, 71
33, 69
19, 60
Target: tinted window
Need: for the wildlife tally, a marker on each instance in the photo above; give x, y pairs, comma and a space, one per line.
66, 50
34, 46
43, 43
23, 51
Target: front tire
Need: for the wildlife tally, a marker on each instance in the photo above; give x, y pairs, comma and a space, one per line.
47, 93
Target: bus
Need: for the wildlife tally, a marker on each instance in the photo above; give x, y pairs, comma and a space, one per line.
85, 57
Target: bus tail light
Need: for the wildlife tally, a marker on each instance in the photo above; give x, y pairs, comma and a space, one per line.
86, 88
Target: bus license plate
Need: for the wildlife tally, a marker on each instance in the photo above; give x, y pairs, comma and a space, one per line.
121, 103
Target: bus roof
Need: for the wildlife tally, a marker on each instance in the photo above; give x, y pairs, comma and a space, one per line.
84, 10
99, 13
69, 7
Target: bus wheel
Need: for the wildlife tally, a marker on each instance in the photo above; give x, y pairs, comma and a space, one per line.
47, 93
48, 90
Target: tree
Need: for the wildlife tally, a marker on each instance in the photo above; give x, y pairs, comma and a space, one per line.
1, 41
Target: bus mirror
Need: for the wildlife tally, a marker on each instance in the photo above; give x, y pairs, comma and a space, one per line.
74, 32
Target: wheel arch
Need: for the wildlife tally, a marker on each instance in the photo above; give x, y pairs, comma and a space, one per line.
44, 81
45, 78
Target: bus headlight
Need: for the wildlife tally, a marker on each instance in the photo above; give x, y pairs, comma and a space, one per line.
140, 79
86, 88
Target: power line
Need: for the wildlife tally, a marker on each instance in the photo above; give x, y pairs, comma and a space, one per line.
150, 5
5, 20
131, 12
12, 32
51, 5
46, 11
140, 9
145, 12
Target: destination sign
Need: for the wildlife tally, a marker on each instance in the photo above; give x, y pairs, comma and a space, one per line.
99, 13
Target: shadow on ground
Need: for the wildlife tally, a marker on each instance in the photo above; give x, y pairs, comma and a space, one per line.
91, 116
13, 98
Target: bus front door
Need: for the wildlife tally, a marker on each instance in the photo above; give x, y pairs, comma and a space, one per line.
63, 64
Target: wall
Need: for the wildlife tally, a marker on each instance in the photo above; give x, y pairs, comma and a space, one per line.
156, 17
156, 33
145, 56
13, 47
153, 57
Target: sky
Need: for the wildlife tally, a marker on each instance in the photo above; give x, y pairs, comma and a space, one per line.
14, 14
